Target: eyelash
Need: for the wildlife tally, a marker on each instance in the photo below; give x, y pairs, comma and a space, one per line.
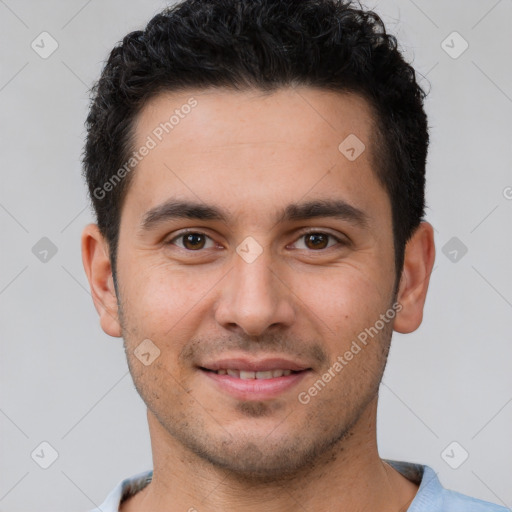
302, 235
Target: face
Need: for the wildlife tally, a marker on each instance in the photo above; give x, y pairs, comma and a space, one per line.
253, 253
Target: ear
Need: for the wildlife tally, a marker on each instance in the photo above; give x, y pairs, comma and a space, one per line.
96, 261
412, 291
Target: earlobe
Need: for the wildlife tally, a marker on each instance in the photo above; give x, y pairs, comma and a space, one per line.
96, 261
418, 264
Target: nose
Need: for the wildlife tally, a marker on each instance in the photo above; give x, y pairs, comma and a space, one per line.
254, 298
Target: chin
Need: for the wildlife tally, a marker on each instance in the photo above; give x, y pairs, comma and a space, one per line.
256, 458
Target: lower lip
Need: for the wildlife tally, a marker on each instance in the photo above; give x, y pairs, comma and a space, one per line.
256, 389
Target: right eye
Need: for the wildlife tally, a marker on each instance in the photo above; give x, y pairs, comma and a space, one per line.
192, 241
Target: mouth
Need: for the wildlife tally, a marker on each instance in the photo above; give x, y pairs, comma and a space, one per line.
246, 379
246, 375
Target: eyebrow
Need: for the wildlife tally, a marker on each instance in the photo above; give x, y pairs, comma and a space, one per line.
338, 209
335, 208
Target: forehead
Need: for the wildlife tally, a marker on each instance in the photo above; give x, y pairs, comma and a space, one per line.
249, 148
287, 116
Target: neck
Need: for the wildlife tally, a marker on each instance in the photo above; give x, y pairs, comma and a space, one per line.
350, 476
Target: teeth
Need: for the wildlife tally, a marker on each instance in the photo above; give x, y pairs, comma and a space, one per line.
281, 373
264, 375
242, 374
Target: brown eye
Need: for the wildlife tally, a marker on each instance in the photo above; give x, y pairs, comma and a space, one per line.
193, 241
316, 240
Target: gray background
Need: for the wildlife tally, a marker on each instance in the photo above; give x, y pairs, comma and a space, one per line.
65, 382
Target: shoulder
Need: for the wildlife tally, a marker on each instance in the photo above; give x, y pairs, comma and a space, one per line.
124, 490
456, 502
433, 497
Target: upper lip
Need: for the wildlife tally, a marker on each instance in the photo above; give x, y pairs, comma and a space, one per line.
254, 365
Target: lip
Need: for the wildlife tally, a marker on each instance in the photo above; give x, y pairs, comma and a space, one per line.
255, 389
254, 365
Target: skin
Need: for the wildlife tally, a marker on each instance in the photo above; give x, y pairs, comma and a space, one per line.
251, 155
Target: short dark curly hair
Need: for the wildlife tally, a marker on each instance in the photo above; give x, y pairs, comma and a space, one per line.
266, 45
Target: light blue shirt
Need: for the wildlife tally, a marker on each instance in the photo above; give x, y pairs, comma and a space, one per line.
431, 495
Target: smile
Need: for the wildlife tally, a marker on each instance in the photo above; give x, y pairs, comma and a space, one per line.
254, 379
262, 375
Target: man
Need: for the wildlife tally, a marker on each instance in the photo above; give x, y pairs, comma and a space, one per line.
257, 168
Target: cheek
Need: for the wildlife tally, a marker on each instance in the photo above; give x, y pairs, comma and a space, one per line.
163, 303
345, 301
162, 387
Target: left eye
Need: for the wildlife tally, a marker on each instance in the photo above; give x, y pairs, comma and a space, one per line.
193, 241
316, 241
